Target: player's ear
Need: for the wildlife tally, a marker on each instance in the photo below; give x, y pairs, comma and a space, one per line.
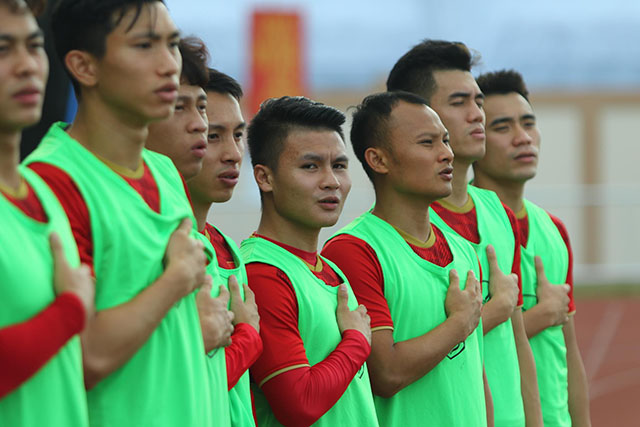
264, 178
377, 159
82, 66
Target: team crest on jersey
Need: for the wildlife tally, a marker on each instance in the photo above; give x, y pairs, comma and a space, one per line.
455, 351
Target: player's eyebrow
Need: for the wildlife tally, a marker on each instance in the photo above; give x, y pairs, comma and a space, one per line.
528, 117
501, 120
215, 126
342, 159
11, 38
150, 34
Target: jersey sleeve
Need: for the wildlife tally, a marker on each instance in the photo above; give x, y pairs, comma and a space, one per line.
27, 346
359, 262
74, 206
300, 397
246, 346
515, 267
565, 236
283, 349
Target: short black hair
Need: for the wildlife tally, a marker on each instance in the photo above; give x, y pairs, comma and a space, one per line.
223, 84
36, 7
414, 70
195, 57
370, 123
503, 82
278, 117
85, 24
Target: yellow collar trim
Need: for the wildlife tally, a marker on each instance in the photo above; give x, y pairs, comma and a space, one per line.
417, 242
20, 193
522, 213
124, 171
468, 205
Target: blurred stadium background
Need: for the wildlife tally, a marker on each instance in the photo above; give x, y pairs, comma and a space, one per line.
581, 60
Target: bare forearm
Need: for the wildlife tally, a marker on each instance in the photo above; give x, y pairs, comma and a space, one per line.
528, 377
578, 388
488, 400
114, 335
536, 320
393, 366
493, 314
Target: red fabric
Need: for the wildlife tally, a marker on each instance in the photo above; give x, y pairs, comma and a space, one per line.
466, 225
223, 251
565, 236
359, 262
523, 228
26, 347
304, 392
76, 209
30, 205
301, 396
246, 346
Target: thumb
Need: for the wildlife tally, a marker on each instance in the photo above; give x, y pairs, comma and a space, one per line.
234, 288
186, 225
223, 296
493, 261
206, 286
343, 297
454, 279
540, 269
56, 248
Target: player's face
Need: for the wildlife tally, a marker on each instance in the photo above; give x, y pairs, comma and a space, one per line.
513, 139
138, 76
183, 136
311, 182
23, 70
221, 164
420, 157
458, 101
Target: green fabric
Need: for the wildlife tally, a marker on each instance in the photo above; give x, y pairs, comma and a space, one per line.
53, 396
452, 393
317, 304
548, 346
500, 354
165, 381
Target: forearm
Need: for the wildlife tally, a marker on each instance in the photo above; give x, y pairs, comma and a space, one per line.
115, 334
26, 347
245, 348
494, 313
536, 320
528, 376
395, 365
301, 396
577, 377
488, 400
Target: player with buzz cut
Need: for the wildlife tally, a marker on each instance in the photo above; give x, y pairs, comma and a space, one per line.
215, 184
45, 297
316, 338
183, 138
426, 356
130, 216
440, 72
513, 144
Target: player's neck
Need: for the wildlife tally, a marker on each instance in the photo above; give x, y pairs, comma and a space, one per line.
459, 194
9, 159
410, 214
200, 212
109, 135
511, 193
280, 229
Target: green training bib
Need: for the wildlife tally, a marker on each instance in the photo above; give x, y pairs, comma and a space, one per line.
54, 396
317, 305
165, 381
548, 346
452, 393
500, 355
